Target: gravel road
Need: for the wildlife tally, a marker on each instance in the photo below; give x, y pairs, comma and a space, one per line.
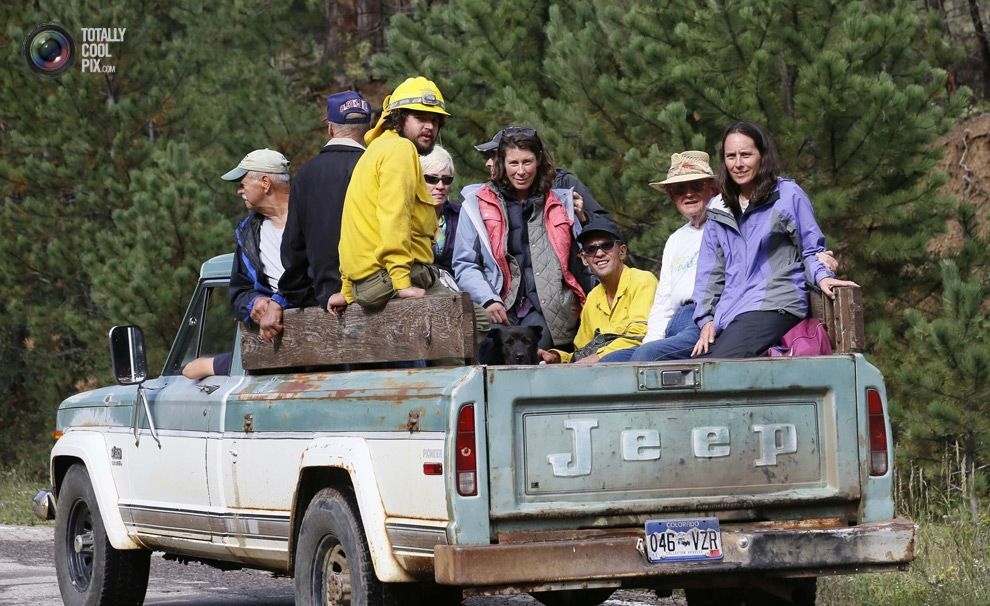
27, 578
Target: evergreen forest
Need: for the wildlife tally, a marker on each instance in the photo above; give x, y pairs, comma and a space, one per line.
112, 197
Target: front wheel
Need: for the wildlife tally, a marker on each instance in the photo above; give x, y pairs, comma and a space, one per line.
333, 564
90, 571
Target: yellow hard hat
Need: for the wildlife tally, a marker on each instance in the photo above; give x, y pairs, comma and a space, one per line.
417, 94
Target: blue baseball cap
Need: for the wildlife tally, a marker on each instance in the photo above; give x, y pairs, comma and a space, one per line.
348, 102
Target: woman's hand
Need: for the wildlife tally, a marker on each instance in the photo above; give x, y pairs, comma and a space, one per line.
497, 313
828, 260
579, 208
827, 284
591, 359
705, 340
550, 357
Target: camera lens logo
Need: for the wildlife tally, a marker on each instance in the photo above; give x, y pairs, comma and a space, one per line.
49, 49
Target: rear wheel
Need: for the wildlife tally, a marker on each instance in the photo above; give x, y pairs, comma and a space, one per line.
90, 571
333, 564
573, 597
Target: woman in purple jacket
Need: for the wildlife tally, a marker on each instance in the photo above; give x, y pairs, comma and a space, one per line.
758, 252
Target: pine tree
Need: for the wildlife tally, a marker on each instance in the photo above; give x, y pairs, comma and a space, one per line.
82, 209
948, 379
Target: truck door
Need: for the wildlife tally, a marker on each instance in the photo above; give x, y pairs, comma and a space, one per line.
170, 474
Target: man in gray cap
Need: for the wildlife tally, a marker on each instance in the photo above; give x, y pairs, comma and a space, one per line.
254, 281
312, 233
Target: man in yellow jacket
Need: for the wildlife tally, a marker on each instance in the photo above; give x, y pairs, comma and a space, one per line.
616, 310
389, 219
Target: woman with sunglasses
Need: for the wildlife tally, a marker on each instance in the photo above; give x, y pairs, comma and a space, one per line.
759, 247
438, 172
515, 249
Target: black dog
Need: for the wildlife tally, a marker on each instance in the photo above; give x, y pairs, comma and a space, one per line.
510, 345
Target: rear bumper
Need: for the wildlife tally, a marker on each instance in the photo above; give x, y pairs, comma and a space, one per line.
800, 550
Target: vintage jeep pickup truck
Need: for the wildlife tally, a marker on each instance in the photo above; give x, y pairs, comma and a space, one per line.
740, 481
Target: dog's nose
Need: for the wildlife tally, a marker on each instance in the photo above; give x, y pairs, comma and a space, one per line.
520, 358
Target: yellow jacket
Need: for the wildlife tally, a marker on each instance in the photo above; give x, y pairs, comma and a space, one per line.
627, 316
389, 218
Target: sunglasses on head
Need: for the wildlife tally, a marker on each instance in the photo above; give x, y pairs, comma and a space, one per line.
591, 250
434, 179
679, 189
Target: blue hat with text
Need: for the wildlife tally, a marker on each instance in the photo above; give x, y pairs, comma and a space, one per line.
348, 103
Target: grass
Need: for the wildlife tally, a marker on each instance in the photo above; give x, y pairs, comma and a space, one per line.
17, 486
950, 568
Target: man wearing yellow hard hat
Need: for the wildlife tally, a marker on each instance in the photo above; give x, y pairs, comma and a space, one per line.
389, 219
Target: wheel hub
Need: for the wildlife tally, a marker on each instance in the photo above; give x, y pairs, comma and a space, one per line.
336, 578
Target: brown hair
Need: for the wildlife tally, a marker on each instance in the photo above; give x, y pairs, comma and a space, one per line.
527, 139
766, 177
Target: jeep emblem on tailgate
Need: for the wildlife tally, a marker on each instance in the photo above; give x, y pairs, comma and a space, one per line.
644, 445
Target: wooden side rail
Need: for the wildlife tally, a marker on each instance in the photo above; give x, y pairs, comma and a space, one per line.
843, 318
429, 328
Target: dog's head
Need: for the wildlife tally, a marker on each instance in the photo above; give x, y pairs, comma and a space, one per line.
516, 344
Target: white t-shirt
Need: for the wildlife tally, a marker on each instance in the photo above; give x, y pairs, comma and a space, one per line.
271, 252
677, 271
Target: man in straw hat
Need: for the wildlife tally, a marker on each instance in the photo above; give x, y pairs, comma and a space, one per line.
671, 331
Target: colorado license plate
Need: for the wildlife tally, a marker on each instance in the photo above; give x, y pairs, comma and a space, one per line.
683, 540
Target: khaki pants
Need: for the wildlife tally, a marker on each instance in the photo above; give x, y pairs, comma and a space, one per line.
376, 290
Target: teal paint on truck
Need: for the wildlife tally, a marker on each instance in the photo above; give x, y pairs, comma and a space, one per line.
572, 461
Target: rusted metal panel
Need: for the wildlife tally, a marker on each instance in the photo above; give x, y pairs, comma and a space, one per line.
749, 548
429, 328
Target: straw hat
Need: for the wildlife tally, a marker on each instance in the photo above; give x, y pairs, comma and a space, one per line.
686, 166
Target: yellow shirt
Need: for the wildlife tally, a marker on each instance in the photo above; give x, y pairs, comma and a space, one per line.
627, 316
389, 218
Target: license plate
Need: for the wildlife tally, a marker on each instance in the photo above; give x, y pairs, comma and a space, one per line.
683, 540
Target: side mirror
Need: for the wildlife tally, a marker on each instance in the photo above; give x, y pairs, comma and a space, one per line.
130, 364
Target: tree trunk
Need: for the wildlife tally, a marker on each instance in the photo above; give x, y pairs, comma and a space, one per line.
984, 42
970, 462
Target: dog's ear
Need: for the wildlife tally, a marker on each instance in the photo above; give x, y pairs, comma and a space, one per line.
537, 332
495, 334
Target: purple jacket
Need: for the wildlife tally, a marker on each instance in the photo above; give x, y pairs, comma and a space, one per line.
762, 263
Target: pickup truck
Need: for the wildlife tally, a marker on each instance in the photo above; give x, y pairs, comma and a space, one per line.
740, 481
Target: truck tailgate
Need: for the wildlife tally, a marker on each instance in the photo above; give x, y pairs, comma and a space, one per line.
746, 436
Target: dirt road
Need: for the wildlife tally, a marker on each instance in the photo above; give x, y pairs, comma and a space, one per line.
27, 578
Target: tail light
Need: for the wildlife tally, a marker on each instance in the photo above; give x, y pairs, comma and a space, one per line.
878, 433
466, 459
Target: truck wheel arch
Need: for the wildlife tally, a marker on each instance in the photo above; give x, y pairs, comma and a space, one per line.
346, 462
90, 449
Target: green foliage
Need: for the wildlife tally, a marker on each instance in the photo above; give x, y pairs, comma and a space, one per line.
111, 195
18, 484
948, 380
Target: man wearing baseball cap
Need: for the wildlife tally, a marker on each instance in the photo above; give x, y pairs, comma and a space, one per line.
614, 315
312, 233
264, 186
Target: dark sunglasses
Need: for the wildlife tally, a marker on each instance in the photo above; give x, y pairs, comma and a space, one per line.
682, 188
434, 179
591, 250
519, 130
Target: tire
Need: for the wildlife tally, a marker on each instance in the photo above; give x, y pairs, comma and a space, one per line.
333, 565
90, 571
803, 593
573, 597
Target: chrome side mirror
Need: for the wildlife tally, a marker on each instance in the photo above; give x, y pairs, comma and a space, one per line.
130, 363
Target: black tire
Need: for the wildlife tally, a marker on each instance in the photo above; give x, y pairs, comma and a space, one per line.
573, 597
803, 593
333, 565
90, 571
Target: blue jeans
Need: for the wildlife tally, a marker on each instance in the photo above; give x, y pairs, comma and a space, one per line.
681, 336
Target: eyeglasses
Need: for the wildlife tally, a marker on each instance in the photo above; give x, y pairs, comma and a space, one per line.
524, 131
679, 189
590, 250
434, 179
